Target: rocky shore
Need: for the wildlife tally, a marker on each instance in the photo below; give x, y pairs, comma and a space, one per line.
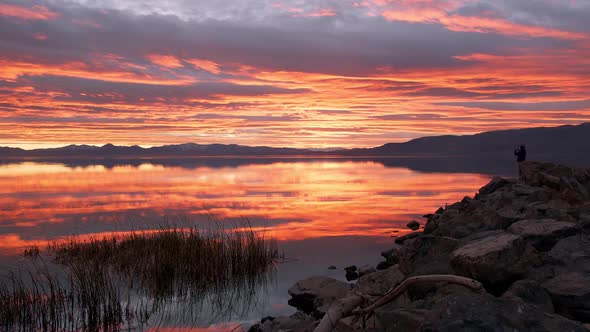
516, 257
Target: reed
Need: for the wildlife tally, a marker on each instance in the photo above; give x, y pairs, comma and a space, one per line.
117, 282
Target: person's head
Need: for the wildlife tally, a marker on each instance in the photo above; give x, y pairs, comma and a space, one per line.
522, 147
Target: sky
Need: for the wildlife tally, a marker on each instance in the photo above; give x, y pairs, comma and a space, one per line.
297, 73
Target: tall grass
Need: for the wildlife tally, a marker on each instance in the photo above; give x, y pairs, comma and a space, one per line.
122, 281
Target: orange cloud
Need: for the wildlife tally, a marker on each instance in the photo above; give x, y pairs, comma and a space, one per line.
438, 12
168, 61
12, 70
206, 65
322, 13
34, 13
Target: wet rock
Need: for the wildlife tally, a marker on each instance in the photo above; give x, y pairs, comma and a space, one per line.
352, 275
332, 267
314, 295
427, 255
530, 292
378, 283
543, 234
351, 268
495, 259
402, 239
571, 295
494, 185
413, 225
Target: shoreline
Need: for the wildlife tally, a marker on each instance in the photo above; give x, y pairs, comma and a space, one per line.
516, 256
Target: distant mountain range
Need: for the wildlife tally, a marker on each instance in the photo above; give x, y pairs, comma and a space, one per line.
570, 144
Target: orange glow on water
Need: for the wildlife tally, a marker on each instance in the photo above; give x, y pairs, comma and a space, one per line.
288, 200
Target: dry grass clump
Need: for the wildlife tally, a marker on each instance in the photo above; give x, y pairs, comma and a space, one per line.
121, 281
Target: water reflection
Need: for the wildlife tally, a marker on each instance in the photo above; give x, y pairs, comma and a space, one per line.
324, 212
293, 200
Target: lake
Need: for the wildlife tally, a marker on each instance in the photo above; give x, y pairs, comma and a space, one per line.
323, 211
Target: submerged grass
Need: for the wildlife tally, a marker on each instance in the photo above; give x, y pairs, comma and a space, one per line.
122, 281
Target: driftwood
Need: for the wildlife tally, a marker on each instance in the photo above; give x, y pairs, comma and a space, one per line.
338, 310
345, 307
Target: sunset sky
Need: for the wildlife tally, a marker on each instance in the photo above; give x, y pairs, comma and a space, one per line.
339, 73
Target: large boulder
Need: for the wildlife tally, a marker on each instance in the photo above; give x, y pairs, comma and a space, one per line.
427, 255
467, 311
543, 234
570, 292
494, 185
378, 283
530, 292
314, 295
495, 259
571, 254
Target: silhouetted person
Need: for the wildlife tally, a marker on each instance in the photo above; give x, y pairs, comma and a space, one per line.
520, 154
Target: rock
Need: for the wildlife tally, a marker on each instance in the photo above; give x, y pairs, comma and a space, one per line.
314, 295
367, 269
413, 225
401, 319
571, 295
378, 283
571, 254
406, 237
351, 268
494, 185
383, 266
467, 311
352, 275
530, 292
427, 255
263, 320
297, 322
495, 259
391, 252
543, 234
332, 267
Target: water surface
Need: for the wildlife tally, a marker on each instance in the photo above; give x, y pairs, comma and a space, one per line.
323, 212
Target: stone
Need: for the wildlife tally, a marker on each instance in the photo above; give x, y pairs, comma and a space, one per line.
401, 319
570, 292
332, 267
314, 295
571, 254
495, 259
352, 275
494, 185
467, 311
378, 283
543, 234
406, 237
366, 269
530, 292
351, 268
413, 225
427, 255
297, 322
393, 251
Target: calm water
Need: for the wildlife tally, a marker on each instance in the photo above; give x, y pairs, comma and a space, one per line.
324, 212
